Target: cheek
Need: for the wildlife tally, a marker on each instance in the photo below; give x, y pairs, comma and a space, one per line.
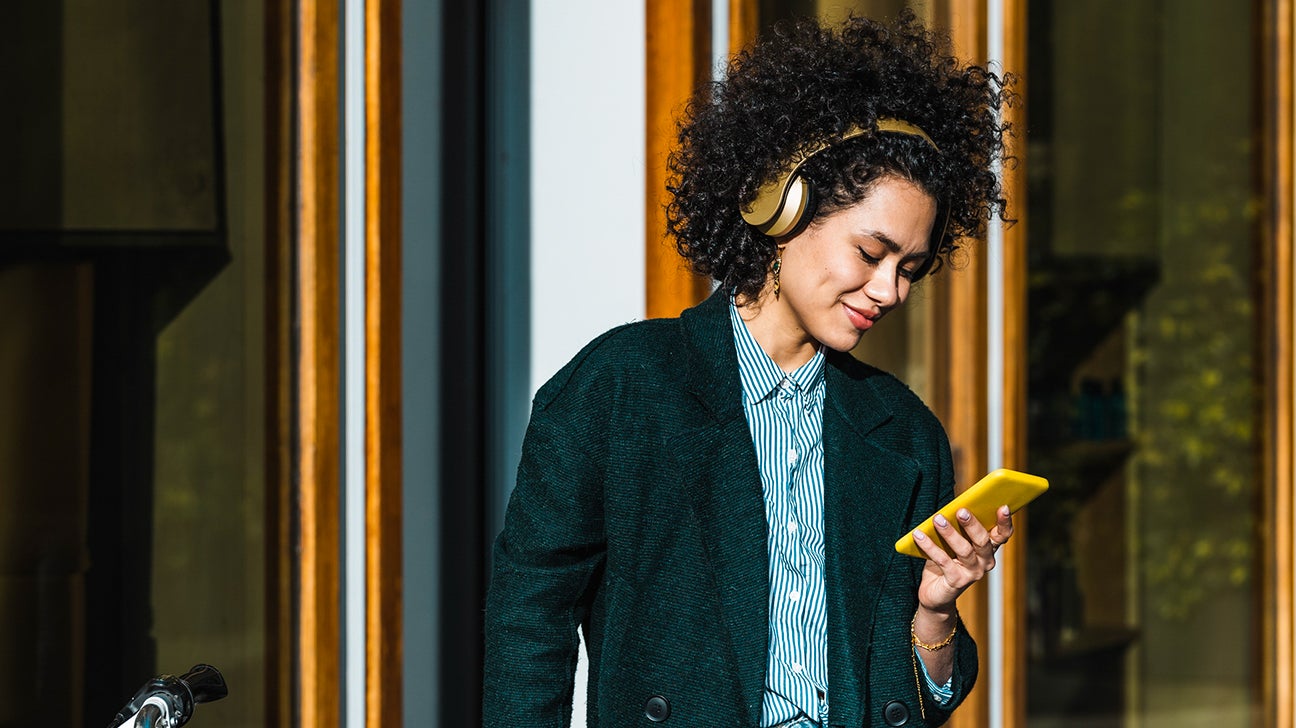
827, 276
816, 275
844, 271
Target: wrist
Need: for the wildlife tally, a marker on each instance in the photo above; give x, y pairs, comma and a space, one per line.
933, 627
942, 616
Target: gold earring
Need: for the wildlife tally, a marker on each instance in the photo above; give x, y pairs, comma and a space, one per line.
778, 265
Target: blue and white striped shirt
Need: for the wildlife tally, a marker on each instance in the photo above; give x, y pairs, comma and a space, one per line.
785, 414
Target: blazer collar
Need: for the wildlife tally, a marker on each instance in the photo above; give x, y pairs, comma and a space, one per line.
852, 395
713, 374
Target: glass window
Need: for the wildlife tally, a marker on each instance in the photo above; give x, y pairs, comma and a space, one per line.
1145, 383
133, 508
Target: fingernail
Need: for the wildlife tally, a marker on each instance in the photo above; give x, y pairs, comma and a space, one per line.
940, 521
920, 536
963, 515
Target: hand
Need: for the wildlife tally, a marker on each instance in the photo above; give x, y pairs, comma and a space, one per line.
944, 577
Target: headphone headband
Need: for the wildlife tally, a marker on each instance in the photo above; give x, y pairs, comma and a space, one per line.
780, 204
900, 126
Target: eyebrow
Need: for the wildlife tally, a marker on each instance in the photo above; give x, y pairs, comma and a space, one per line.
892, 245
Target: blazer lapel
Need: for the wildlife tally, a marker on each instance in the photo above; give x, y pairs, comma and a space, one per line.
717, 463
868, 496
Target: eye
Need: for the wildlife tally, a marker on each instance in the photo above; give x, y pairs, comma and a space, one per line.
908, 273
871, 260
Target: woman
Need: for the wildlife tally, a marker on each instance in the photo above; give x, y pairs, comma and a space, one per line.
713, 499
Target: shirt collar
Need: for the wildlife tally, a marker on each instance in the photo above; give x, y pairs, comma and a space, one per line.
759, 374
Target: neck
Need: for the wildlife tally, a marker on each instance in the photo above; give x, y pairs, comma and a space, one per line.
776, 330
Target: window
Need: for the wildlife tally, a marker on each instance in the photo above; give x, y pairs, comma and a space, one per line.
1146, 370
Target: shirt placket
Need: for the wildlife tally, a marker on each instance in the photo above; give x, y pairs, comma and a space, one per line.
789, 412
808, 499
791, 406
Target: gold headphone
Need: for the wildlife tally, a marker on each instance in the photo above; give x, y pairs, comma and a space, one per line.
780, 204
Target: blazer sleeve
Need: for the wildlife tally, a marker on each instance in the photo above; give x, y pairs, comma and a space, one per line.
548, 560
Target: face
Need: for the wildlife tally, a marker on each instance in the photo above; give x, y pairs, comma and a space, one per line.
844, 272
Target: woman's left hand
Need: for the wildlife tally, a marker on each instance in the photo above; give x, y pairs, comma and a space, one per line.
945, 577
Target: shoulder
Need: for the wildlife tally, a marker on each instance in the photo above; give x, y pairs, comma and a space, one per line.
641, 350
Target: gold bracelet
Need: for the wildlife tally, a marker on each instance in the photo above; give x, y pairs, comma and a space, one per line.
939, 645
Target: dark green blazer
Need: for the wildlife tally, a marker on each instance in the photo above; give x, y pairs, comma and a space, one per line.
638, 517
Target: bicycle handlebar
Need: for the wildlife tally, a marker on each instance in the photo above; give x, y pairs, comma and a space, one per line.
168, 701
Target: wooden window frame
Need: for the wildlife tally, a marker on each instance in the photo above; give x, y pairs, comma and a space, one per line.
678, 50
1279, 634
1013, 684
304, 106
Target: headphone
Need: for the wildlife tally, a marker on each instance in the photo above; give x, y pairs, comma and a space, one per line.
781, 204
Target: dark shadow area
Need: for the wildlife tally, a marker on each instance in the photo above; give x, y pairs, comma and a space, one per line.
137, 293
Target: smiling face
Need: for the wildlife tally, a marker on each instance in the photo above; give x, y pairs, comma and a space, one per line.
844, 272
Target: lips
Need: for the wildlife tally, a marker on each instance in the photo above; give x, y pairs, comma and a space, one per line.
859, 319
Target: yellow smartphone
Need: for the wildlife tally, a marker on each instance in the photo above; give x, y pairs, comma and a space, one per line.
1000, 487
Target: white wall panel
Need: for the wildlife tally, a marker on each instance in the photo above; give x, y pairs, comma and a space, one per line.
587, 174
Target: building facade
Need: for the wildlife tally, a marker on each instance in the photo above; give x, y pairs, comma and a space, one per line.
284, 279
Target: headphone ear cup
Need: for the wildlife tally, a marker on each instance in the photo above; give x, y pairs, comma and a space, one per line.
796, 210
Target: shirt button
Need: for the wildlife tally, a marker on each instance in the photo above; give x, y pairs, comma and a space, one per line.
792, 526
794, 595
792, 457
796, 667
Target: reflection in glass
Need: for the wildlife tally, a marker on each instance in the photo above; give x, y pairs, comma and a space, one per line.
1144, 384
133, 398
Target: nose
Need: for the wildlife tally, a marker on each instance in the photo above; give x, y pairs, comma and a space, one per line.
884, 287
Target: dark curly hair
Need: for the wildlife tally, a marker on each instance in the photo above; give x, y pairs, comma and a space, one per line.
804, 84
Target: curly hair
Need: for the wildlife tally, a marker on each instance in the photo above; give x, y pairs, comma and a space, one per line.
804, 84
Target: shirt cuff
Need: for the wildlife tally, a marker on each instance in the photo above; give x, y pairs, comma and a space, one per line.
942, 693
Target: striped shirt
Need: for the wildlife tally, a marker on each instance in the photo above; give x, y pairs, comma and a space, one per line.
785, 414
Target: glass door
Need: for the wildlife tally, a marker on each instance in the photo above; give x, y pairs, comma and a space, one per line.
1146, 379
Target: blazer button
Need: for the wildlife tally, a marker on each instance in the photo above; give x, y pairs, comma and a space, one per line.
657, 709
896, 713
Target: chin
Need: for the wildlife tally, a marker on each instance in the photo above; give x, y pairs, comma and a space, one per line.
842, 342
